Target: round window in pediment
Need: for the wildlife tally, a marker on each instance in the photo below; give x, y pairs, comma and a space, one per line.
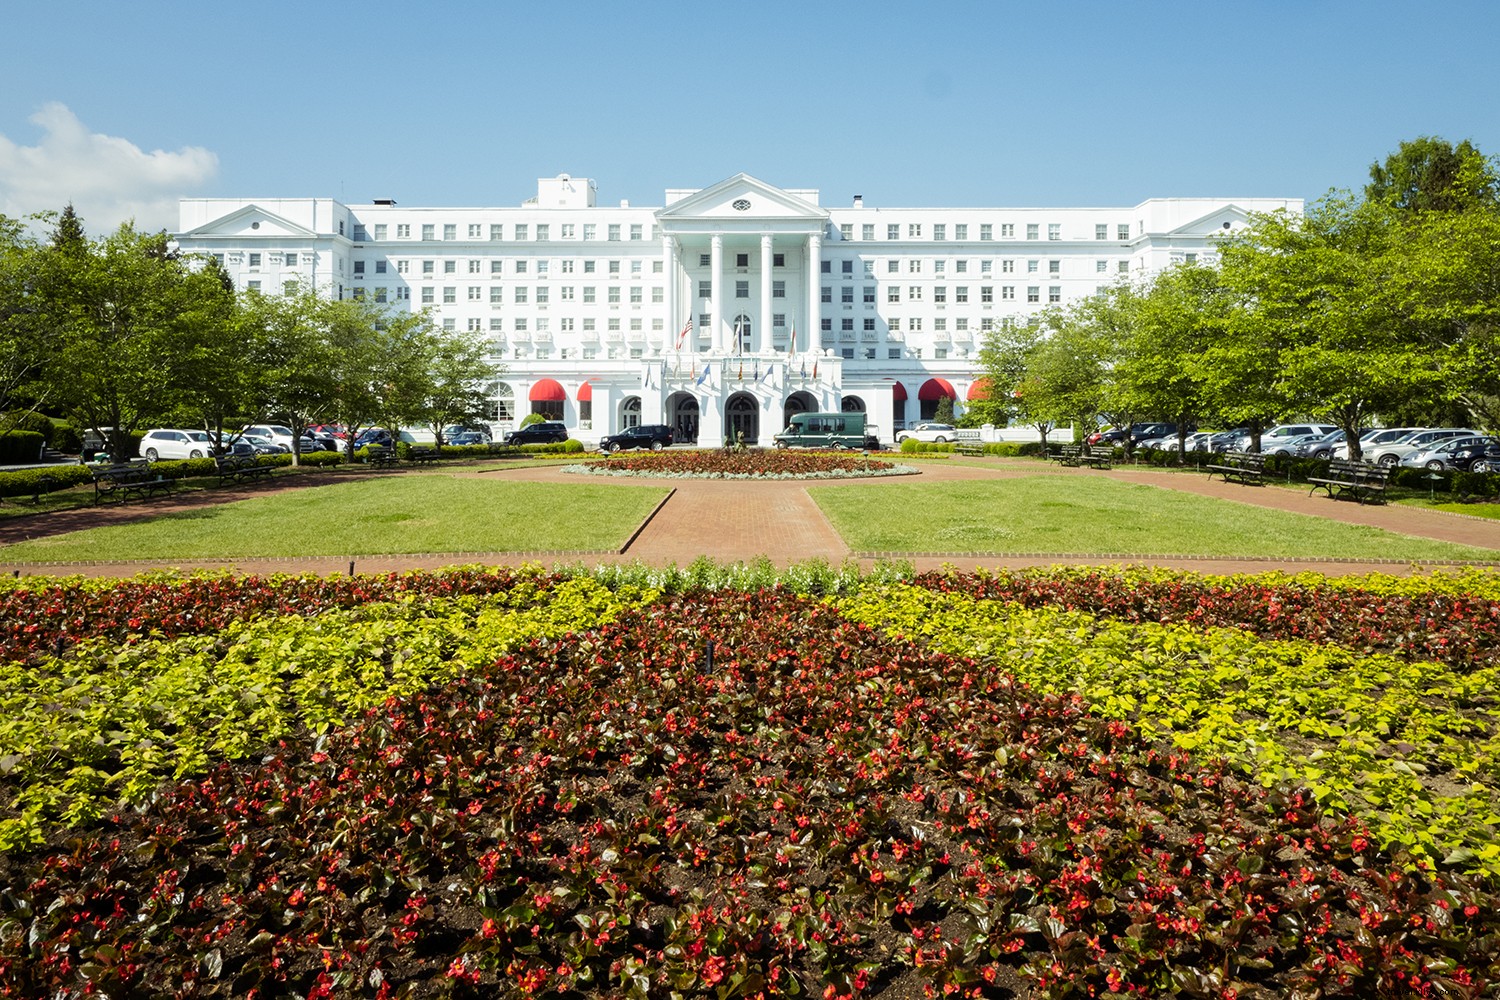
741, 204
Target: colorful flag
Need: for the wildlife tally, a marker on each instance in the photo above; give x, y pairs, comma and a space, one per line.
686, 328
742, 370
757, 369
815, 371
704, 377
804, 368
793, 348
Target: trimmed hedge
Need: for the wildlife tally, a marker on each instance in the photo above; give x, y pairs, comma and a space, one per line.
21, 446
32, 482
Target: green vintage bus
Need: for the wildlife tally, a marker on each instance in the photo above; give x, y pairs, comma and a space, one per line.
828, 430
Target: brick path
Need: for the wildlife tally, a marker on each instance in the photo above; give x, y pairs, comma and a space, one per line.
731, 520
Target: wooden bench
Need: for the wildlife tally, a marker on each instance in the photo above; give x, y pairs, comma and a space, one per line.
422, 455
381, 457
1068, 454
1350, 478
1242, 466
972, 448
244, 468
118, 483
1097, 456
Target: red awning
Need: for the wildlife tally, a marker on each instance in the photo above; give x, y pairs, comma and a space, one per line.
548, 390
980, 389
936, 388
586, 393
899, 393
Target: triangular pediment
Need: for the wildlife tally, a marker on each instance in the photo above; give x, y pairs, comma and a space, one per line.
254, 222
742, 198
1222, 220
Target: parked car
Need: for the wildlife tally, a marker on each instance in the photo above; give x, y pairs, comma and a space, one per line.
277, 433
377, 437
1289, 445
170, 443
1374, 438
929, 432
1280, 432
1461, 453
463, 438
313, 440
545, 432
264, 445
653, 436
1391, 454
454, 430
1222, 441
1320, 446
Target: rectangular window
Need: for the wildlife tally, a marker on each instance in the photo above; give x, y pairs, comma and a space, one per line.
636, 231
1032, 231
961, 324
1122, 232
380, 231
778, 320
826, 325
380, 267
894, 324
497, 294
521, 296
914, 267
475, 266
826, 266
960, 231
1054, 267
588, 267
497, 231
939, 231
403, 230
986, 231
565, 293
402, 266
939, 266
476, 293
915, 325
450, 231
913, 230
450, 267
523, 232
1101, 266
542, 295
846, 267
1007, 293
590, 231
914, 293
705, 260
255, 262
427, 295
429, 231
986, 293
893, 231
705, 289
360, 235
1033, 266
1054, 293
658, 295
847, 325
541, 266
1007, 267
380, 294
1124, 267
1101, 231
869, 325
543, 232
961, 266
614, 232
635, 295
893, 266
827, 293
1007, 230
450, 294
846, 295
741, 260
588, 294
869, 295
778, 289
614, 295
614, 267
893, 293
475, 229
867, 231
893, 353
1054, 231
961, 294
940, 293
567, 230
778, 260
846, 231
940, 325
1033, 293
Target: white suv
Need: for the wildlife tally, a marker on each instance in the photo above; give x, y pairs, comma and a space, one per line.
1281, 432
165, 443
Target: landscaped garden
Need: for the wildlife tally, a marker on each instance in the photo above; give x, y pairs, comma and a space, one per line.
732, 463
636, 782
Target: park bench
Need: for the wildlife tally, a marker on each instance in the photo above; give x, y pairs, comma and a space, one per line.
241, 468
381, 457
119, 483
421, 455
1349, 478
972, 448
1243, 466
1097, 456
1068, 454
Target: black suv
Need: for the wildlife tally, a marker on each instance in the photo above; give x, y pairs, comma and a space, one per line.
653, 436
545, 432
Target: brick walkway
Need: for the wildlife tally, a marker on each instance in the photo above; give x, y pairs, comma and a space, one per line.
731, 520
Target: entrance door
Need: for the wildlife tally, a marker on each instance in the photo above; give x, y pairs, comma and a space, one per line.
682, 414
741, 419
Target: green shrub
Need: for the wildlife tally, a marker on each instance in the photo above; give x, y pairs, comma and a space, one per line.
66, 439
1030, 449
30, 482
21, 446
532, 418
912, 446
30, 420
570, 446
1476, 484
1416, 479
185, 468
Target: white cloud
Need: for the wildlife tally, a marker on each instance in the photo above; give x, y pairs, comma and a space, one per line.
109, 180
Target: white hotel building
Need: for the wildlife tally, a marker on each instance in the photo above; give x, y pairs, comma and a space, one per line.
722, 312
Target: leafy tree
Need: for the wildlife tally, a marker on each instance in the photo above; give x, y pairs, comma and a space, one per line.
1429, 174
943, 412
21, 330
68, 234
1004, 357
288, 358
1066, 372
457, 369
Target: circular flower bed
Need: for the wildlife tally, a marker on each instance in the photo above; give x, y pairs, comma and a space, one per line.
757, 464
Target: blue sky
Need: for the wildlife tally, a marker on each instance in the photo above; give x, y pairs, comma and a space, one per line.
124, 107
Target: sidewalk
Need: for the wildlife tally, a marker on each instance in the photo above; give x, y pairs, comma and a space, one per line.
734, 520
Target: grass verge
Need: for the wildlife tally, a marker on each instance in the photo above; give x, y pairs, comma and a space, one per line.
1073, 515
398, 514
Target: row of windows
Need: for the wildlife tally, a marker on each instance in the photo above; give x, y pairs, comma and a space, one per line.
914, 293
521, 232
917, 265
519, 266
986, 231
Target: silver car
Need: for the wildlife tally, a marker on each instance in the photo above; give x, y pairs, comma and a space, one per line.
1391, 454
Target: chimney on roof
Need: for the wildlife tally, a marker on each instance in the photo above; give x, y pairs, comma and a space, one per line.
387, 202
859, 201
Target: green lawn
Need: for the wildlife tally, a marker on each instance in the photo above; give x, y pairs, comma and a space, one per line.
1086, 516
400, 514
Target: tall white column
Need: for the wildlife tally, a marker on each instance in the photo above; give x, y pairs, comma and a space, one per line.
674, 315
761, 338
716, 290
814, 336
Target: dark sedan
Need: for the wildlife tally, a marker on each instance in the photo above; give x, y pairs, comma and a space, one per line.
653, 436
